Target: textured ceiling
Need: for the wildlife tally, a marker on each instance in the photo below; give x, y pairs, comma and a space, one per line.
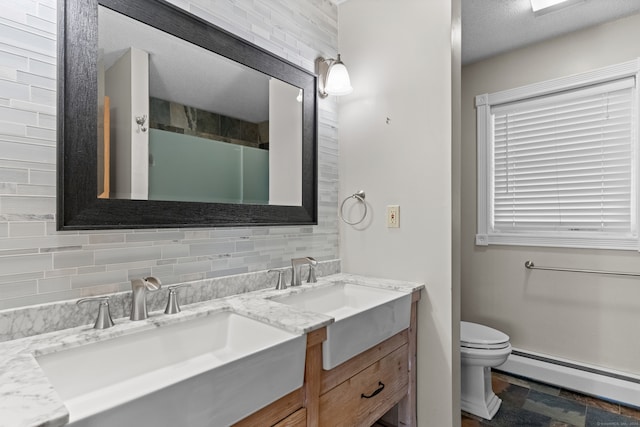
185, 73
490, 27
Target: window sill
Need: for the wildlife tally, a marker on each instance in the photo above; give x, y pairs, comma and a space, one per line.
559, 241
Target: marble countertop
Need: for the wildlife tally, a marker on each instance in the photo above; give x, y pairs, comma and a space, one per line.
28, 399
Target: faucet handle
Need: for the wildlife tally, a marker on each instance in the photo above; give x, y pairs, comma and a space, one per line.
312, 270
172, 303
280, 285
103, 321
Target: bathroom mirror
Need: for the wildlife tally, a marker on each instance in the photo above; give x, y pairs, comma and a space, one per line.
265, 127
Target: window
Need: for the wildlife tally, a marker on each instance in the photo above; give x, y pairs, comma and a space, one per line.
558, 162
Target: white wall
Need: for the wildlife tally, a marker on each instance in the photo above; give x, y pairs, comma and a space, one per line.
585, 318
117, 85
127, 86
395, 133
139, 138
285, 149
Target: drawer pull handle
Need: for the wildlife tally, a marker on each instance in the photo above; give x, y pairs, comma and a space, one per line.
378, 390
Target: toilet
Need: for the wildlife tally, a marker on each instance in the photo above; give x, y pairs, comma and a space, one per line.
481, 348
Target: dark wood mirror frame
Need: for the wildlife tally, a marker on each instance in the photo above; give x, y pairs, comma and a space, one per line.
78, 207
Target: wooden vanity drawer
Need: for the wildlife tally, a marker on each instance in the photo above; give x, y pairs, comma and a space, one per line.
282, 409
297, 419
365, 397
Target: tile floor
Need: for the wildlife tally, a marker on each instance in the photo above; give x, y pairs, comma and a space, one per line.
526, 403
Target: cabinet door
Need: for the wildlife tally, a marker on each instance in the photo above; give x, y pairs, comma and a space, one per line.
365, 397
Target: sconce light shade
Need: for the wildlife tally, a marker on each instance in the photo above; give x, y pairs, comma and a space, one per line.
541, 7
336, 80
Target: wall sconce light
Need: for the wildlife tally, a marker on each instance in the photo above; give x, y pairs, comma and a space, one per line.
334, 77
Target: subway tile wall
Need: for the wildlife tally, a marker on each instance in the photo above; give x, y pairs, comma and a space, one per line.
39, 264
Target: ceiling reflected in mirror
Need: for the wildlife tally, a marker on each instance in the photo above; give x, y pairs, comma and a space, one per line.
174, 65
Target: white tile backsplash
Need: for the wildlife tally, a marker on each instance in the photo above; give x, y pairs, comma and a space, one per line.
18, 289
36, 80
42, 133
26, 37
47, 10
55, 284
7, 73
25, 150
43, 69
12, 128
13, 175
41, 24
24, 117
26, 229
13, 62
42, 177
43, 96
97, 279
40, 265
13, 90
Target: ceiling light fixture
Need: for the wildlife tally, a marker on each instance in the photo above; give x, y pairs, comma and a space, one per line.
540, 7
334, 77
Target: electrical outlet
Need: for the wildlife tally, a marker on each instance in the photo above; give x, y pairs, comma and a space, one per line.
393, 216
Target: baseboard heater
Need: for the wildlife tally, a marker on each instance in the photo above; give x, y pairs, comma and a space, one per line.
596, 381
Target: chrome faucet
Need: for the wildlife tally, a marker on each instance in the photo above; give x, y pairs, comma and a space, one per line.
139, 288
296, 264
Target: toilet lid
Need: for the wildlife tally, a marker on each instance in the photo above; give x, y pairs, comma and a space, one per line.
473, 335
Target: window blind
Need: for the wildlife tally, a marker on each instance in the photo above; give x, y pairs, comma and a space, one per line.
564, 162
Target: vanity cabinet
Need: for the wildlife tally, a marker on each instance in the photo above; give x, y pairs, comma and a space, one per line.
357, 392
352, 394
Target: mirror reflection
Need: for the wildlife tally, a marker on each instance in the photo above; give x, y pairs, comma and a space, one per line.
180, 123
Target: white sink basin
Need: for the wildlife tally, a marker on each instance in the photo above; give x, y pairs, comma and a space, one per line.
209, 371
364, 316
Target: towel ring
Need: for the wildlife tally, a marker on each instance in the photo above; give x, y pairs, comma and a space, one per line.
359, 196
